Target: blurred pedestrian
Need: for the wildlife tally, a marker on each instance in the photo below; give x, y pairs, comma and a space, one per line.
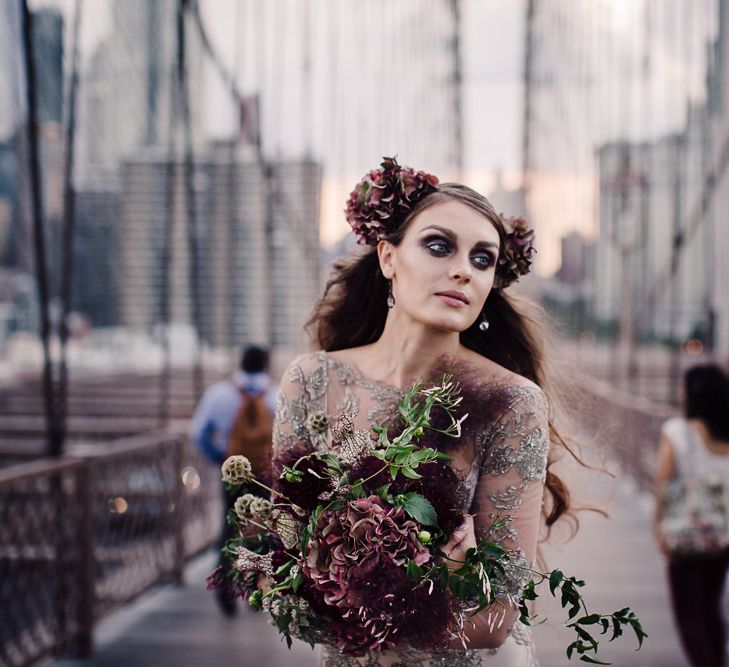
692, 483
235, 416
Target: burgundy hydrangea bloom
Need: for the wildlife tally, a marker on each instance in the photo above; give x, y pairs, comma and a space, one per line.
384, 197
351, 549
515, 258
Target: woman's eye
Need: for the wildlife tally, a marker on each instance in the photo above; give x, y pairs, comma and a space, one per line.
438, 247
483, 261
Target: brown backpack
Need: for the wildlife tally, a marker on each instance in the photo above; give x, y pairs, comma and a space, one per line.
252, 433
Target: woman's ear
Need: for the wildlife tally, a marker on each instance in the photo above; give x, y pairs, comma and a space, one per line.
386, 256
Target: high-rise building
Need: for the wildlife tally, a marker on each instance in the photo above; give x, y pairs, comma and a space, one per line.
128, 88
47, 39
11, 68
718, 229
295, 252
97, 234
575, 253
648, 191
258, 266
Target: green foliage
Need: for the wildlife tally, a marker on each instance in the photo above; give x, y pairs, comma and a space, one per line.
418, 507
585, 645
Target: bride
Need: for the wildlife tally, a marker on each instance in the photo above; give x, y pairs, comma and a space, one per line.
430, 295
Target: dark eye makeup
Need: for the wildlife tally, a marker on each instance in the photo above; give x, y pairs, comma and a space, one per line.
441, 247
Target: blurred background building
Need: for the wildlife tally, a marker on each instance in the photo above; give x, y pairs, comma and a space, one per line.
215, 143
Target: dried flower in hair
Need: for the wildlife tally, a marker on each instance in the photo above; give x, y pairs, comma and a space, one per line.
237, 470
384, 197
515, 258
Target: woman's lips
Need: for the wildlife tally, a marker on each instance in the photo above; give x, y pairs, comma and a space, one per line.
452, 300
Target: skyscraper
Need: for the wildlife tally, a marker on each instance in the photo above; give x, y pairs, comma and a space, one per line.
48, 59
258, 265
129, 85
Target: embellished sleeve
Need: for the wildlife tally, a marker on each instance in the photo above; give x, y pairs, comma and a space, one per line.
511, 482
302, 394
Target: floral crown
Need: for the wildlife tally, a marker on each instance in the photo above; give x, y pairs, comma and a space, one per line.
384, 197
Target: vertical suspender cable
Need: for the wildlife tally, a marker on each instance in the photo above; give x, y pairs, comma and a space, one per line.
526, 147
457, 89
190, 197
163, 408
69, 219
41, 270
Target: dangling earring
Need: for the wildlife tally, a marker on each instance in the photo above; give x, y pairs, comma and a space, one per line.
484, 324
390, 297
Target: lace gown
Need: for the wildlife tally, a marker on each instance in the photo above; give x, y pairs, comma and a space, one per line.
503, 468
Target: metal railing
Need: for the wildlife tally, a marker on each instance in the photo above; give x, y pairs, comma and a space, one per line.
628, 427
80, 536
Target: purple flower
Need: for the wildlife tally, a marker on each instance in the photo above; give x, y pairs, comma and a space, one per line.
304, 493
353, 550
515, 258
384, 197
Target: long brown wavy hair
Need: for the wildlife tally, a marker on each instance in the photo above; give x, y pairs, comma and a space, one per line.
353, 310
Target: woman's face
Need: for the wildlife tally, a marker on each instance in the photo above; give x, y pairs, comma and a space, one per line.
443, 269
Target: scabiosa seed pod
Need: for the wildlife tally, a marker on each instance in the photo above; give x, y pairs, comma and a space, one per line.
242, 507
260, 508
317, 423
237, 470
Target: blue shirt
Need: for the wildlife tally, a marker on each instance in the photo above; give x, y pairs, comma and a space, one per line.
216, 411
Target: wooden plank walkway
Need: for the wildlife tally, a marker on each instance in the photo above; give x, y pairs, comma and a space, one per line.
182, 626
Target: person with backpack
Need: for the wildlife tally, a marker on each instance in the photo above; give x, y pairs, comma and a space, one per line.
235, 416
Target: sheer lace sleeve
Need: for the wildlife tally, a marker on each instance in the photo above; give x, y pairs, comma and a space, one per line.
511, 480
302, 393
511, 485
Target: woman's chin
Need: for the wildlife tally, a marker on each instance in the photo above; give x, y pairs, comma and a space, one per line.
448, 324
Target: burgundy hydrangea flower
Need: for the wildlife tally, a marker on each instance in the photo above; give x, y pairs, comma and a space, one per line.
351, 549
515, 258
382, 199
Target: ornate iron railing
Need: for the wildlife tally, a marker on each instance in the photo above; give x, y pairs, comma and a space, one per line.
80, 536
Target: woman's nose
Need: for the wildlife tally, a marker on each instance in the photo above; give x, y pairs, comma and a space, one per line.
461, 269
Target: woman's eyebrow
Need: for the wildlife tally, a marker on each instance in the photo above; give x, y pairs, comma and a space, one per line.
452, 237
487, 244
446, 232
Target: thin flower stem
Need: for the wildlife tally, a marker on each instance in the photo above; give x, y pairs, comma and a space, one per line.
268, 488
256, 524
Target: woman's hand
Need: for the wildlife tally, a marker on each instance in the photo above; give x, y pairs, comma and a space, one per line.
463, 539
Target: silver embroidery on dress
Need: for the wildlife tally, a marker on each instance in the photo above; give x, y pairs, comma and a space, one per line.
514, 448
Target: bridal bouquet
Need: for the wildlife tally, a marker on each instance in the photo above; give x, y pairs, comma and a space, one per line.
350, 546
